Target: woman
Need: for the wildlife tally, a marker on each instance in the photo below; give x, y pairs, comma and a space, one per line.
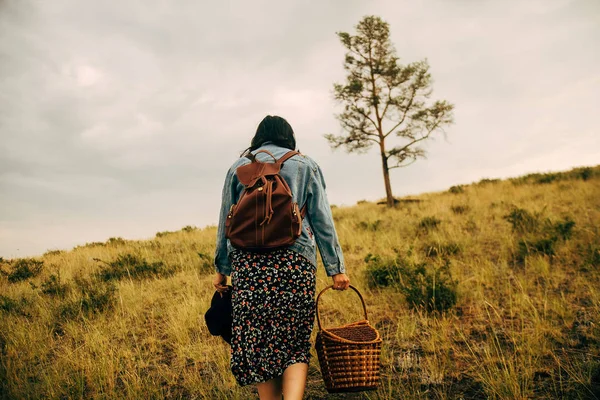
270, 345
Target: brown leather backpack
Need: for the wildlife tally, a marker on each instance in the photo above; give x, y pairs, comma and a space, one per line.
265, 217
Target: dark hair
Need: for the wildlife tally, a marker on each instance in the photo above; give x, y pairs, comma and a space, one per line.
273, 129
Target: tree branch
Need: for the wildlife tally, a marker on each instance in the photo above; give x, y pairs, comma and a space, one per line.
357, 53
410, 102
413, 142
374, 91
353, 128
389, 101
404, 165
358, 110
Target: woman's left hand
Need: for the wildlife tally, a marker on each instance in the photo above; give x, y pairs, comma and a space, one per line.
220, 282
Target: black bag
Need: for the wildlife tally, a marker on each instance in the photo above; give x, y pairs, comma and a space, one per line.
219, 317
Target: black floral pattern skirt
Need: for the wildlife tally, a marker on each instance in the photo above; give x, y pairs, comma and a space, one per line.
273, 313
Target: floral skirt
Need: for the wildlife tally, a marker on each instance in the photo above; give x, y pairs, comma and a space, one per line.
273, 313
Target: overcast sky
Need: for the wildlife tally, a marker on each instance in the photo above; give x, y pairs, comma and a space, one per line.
121, 118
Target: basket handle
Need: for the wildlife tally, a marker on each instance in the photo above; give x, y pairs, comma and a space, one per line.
331, 286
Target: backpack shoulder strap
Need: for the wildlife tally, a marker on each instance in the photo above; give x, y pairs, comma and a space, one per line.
287, 156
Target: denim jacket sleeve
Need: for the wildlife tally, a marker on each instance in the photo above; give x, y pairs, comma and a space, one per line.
321, 221
222, 263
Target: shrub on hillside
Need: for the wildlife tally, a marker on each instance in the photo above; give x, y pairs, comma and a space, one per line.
591, 257
381, 272
95, 244
186, 229
541, 246
471, 226
12, 306
549, 178
23, 269
538, 236
424, 286
90, 245
460, 209
522, 220
370, 225
585, 173
486, 181
115, 241
133, 267
457, 189
92, 298
564, 228
522, 180
163, 234
525, 222
429, 223
53, 253
433, 289
53, 286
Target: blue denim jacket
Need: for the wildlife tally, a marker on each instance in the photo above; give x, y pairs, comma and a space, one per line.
305, 179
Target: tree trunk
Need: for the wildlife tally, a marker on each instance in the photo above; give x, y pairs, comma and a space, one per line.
384, 158
386, 177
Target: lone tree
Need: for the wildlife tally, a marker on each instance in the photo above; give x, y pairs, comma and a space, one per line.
382, 97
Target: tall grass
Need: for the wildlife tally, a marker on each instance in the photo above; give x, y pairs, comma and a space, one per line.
520, 261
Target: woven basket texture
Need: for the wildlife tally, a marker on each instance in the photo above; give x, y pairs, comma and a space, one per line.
349, 355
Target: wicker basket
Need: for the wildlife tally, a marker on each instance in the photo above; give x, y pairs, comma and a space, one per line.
349, 355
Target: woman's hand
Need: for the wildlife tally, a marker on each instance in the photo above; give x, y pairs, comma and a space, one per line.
340, 281
220, 282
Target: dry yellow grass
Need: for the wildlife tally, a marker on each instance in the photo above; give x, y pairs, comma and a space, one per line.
520, 329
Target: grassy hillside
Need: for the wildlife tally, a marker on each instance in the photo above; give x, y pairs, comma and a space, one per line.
488, 290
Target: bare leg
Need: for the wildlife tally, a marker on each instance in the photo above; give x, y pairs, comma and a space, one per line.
270, 390
294, 381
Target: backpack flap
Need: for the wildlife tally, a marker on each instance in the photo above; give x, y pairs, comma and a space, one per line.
250, 174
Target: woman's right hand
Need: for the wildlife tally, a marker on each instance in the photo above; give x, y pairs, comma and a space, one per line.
340, 282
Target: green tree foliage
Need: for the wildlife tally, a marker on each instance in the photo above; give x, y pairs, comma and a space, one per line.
384, 99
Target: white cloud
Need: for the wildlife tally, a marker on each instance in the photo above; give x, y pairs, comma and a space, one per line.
87, 75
